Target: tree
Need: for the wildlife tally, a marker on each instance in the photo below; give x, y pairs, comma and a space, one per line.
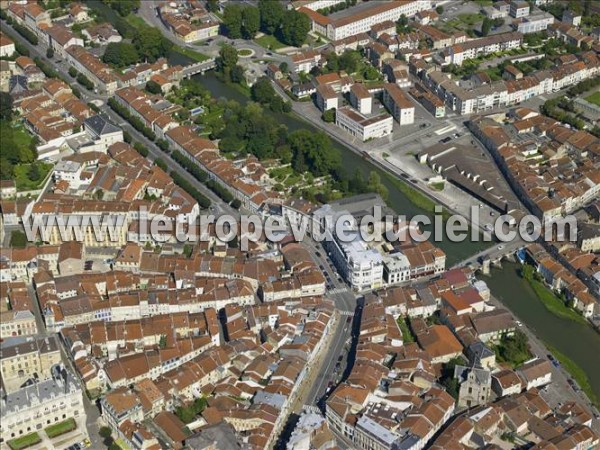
350, 61
151, 44
294, 28
250, 22
313, 151
271, 15
439, 9
237, 74
50, 53
123, 7
121, 54
329, 115
284, 67
73, 72
262, 91
212, 6
486, 26
226, 61
233, 21
153, 87
6, 106
162, 342
34, 173
105, 432
374, 185
114, 446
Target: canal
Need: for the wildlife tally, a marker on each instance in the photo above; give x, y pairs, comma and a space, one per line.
580, 343
577, 341
397, 200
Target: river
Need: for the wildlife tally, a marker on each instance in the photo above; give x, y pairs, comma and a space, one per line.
577, 341
505, 284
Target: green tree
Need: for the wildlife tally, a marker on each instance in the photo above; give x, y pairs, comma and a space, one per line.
233, 20
120, 54
329, 115
73, 72
439, 9
6, 106
271, 15
262, 91
162, 342
486, 26
350, 61
294, 28
313, 151
105, 432
34, 173
153, 87
18, 239
226, 61
374, 184
251, 22
212, 6
151, 44
50, 53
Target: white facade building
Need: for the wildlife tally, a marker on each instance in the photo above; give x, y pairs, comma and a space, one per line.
364, 127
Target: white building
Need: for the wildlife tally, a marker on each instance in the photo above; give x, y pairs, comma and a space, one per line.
519, 8
7, 46
364, 127
41, 404
398, 103
361, 98
327, 98
536, 23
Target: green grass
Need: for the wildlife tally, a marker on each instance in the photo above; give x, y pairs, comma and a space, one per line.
24, 183
470, 19
136, 21
553, 303
576, 372
24, 441
438, 186
245, 52
270, 42
417, 198
594, 98
407, 335
60, 428
196, 56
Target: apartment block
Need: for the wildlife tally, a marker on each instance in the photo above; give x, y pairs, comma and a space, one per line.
398, 104
363, 127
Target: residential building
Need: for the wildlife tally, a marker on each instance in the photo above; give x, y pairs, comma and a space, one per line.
327, 98
21, 361
398, 104
519, 8
363, 127
535, 23
361, 99
535, 373
17, 323
7, 46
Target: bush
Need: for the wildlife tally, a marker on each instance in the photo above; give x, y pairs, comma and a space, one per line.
26, 33
50, 53
161, 163
85, 82
141, 149
203, 201
73, 72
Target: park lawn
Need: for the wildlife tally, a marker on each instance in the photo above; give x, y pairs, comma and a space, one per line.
577, 373
470, 19
19, 136
24, 183
24, 441
594, 98
136, 21
270, 42
192, 54
554, 304
60, 428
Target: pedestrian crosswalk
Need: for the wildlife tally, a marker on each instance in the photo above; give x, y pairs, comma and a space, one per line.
339, 290
312, 408
347, 313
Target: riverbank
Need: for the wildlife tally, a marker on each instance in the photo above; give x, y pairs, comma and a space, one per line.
576, 342
576, 372
549, 299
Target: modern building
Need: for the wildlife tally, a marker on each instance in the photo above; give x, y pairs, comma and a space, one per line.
363, 127
398, 104
326, 98
361, 99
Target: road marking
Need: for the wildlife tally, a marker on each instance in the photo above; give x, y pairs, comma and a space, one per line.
338, 290
347, 313
313, 409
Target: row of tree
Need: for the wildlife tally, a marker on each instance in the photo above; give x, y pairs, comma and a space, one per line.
243, 21
135, 122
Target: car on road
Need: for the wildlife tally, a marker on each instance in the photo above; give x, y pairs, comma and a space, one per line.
318, 254
269, 54
445, 140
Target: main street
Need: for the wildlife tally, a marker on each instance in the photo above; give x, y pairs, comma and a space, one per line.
218, 206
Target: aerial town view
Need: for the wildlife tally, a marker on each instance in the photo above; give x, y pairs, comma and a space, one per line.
300, 224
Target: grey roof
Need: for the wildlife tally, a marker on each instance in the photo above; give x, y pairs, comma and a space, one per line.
478, 351
38, 345
61, 384
221, 434
273, 399
377, 431
482, 376
100, 126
